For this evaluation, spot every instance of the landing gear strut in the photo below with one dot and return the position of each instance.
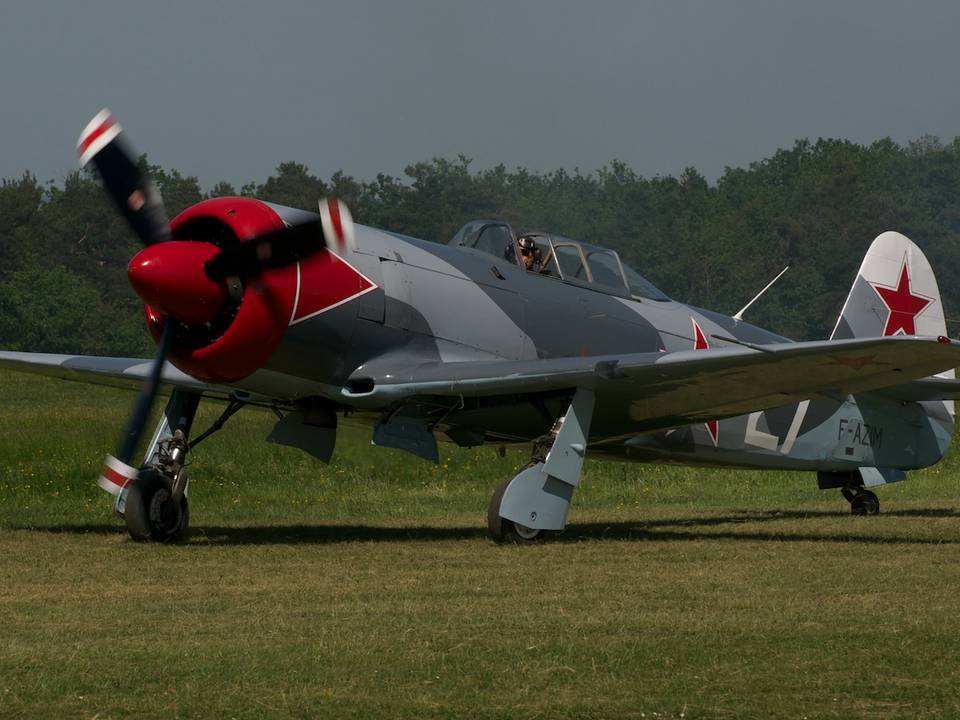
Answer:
(535, 501)
(862, 501)
(154, 505)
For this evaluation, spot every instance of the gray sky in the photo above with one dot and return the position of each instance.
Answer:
(228, 90)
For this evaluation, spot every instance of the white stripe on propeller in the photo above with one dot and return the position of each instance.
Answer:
(337, 224)
(98, 133)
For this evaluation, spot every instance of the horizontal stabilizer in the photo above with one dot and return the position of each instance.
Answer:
(933, 388)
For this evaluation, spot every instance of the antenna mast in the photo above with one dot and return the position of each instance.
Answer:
(739, 315)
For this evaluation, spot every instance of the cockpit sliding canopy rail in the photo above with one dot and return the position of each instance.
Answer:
(571, 261)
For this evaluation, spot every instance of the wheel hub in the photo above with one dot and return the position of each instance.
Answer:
(164, 514)
(526, 533)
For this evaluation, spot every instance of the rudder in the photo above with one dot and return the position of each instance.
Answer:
(895, 293)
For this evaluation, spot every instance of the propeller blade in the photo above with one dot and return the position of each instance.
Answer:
(133, 192)
(333, 231)
(337, 225)
(273, 250)
(117, 471)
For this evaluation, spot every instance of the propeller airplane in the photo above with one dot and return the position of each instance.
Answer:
(496, 338)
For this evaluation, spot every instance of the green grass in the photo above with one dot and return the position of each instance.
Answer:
(368, 589)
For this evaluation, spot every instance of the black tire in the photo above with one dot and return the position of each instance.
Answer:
(865, 503)
(506, 531)
(150, 515)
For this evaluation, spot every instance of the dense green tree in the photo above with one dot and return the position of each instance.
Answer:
(178, 192)
(815, 206)
(293, 185)
(78, 227)
(48, 308)
(20, 200)
(221, 189)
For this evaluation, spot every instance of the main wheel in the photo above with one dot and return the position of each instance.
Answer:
(502, 530)
(150, 513)
(865, 503)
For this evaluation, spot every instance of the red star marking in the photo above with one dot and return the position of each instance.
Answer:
(700, 343)
(699, 339)
(902, 304)
(854, 362)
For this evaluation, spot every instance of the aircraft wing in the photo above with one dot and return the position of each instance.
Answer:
(128, 373)
(666, 389)
(264, 387)
(662, 389)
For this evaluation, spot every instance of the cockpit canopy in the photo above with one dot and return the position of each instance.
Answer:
(571, 261)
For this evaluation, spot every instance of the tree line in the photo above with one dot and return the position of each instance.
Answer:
(815, 207)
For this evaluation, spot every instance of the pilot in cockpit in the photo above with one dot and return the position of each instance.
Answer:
(529, 253)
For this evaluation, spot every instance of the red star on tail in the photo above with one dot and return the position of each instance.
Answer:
(902, 304)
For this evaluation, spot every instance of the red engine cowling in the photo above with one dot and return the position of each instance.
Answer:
(219, 336)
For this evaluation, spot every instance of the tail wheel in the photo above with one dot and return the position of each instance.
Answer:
(862, 501)
(502, 530)
(865, 503)
(150, 513)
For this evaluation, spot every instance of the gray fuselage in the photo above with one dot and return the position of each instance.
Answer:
(453, 304)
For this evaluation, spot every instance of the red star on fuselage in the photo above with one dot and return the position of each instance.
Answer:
(902, 304)
(700, 343)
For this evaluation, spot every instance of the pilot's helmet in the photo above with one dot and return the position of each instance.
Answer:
(527, 245)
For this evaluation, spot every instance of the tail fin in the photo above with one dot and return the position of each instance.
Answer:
(895, 293)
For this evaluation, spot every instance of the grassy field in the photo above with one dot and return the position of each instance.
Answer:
(368, 588)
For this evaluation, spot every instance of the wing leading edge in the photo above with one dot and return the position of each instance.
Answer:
(128, 373)
(666, 388)
(264, 387)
